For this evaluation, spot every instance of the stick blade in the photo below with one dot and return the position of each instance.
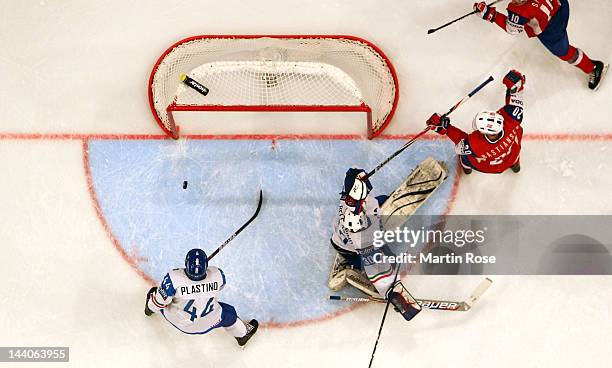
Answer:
(477, 293)
(430, 31)
(259, 202)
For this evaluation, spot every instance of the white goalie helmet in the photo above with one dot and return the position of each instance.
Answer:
(488, 122)
(353, 222)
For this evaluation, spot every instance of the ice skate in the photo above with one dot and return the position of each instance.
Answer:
(597, 75)
(251, 329)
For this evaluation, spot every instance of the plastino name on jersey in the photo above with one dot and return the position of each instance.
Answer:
(199, 288)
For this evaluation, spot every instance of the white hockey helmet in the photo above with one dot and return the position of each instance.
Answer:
(488, 122)
(354, 222)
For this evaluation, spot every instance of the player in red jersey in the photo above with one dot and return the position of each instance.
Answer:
(547, 20)
(495, 145)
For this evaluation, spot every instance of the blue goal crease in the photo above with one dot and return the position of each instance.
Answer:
(277, 268)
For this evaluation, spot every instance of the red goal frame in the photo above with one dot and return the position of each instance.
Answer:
(173, 107)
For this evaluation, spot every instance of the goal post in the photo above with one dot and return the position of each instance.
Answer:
(280, 74)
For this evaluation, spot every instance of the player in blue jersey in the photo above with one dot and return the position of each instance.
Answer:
(187, 299)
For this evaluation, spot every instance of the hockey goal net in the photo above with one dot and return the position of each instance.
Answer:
(304, 73)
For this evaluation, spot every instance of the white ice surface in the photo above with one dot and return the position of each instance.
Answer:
(82, 67)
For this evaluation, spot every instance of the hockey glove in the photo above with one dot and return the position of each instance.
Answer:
(150, 294)
(402, 306)
(514, 81)
(485, 11)
(438, 123)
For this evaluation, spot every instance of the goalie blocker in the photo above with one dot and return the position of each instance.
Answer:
(403, 302)
(400, 205)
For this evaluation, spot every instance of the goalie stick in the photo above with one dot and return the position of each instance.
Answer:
(384, 317)
(410, 142)
(432, 30)
(453, 306)
(195, 85)
(241, 228)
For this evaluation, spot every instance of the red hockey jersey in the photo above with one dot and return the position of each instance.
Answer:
(533, 17)
(478, 152)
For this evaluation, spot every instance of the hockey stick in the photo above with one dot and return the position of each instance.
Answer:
(410, 142)
(469, 95)
(430, 31)
(241, 228)
(382, 322)
(195, 85)
(396, 153)
(445, 305)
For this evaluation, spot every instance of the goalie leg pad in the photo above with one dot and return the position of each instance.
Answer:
(359, 280)
(337, 276)
(413, 192)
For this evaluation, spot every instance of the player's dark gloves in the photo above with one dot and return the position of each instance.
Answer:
(485, 11)
(150, 295)
(402, 306)
(514, 81)
(438, 123)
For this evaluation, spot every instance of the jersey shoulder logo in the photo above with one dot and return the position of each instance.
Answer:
(167, 287)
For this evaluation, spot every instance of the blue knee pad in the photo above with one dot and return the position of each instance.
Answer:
(228, 315)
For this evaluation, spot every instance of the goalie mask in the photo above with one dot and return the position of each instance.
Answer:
(354, 222)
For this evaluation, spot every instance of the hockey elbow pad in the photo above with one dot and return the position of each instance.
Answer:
(463, 148)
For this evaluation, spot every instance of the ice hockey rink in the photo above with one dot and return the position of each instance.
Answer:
(92, 210)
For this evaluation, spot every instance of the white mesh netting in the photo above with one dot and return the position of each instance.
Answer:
(275, 71)
(270, 83)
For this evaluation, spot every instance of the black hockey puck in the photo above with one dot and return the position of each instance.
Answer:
(185, 184)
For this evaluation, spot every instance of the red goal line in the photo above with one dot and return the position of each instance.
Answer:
(120, 136)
